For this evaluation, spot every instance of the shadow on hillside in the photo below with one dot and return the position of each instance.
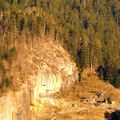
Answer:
(111, 75)
(113, 116)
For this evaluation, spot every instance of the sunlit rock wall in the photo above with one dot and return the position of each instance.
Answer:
(56, 70)
(15, 105)
(47, 68)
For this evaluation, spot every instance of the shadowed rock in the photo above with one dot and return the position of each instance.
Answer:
(113, 116)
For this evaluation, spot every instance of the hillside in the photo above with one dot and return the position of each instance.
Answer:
(80, 102)
(45, 68)
(59, 59)
(88, 29)
(47, 86)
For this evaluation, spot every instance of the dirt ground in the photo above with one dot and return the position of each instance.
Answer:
(66, 109)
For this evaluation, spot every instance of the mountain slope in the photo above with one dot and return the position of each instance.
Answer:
(80, 102)
(45, 68)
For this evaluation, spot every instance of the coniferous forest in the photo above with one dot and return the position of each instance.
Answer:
(88, 29)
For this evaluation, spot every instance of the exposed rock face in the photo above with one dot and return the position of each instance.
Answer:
(48, 69)
(15, 105)
(56, 71)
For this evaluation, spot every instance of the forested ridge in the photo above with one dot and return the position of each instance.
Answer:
(88, 29)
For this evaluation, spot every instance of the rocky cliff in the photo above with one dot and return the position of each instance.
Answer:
(15, 105)
(47, 68)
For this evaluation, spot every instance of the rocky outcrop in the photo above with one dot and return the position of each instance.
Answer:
(56, 70)
(46, 69)
(15, 105)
